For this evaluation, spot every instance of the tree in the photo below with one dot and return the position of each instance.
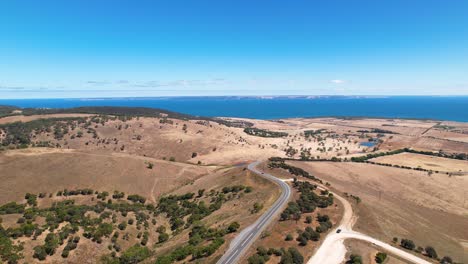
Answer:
(302, 239)
(201, 192)
(380, 257)
(446, 260)
(408, 244)
(163, 237)
(430, 252)
(296, 256)
(122, 225)
(309, 219)
(135, 254)
(292, 256)
(289, 237)
(39, 253)
(233, 227)
(256, 259)
(354, 259)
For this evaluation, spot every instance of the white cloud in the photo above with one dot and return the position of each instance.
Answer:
(337, 81)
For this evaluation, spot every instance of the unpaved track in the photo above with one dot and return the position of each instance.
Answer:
(333, 250)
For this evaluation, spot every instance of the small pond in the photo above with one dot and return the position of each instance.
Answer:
(368, 144)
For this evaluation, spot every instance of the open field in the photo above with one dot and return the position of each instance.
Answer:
(55, 169)
(157, 156)
(430, 210)
(426, 162)
(424, 143)
(49, 170)
(368, 251)
(193, 141)
(449, 135)
(21, 118)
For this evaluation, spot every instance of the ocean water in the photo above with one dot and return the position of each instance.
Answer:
(453, 108)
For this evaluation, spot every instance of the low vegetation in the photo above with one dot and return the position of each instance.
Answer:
(107, 218)
(280, 163)
(264, 133)
(307, 203)
(288, 256)
(354, 259)
(428, 251)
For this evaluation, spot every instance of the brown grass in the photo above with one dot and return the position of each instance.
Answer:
(50, 170)
(368, 251)
(22, 118)
(430, 210)
(426, 162)
(43, 171)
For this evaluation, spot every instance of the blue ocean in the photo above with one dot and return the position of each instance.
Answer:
(454, 108)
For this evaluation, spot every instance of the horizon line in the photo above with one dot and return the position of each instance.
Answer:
(266, 96)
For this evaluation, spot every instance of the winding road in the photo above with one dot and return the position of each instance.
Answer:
(243, 241)
(331, 251)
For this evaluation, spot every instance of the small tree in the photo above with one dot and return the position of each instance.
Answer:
(163, 237)
(446, 260)
(380, 257)
(149, 165)
(430, 252)
(408, 244)
(233, 227)
(354, 259)
(302, 239)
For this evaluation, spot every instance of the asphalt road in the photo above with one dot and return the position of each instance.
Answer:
(243, 241)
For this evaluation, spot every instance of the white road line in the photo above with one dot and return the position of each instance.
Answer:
(241, 245)
(247, 239)
(233, 255)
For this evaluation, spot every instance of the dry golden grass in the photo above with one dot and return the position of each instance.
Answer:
(444, 134)
(430, 210)
(212, 143)
(21, 118)
(424, 143)
(50, 170)
(426, 162)
(368, 251)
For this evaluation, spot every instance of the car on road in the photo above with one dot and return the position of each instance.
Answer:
(338, 231)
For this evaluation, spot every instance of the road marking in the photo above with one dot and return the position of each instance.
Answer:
(263, 220)
(247, 239)
(233, 255)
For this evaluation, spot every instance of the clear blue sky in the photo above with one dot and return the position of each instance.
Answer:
(262, 47)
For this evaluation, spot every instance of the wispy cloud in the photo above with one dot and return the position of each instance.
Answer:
(11, 88)
(97, 82)
(179, 83)
(157, 84)
(337, 81)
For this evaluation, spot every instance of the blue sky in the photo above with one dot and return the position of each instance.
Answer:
(264, 47)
